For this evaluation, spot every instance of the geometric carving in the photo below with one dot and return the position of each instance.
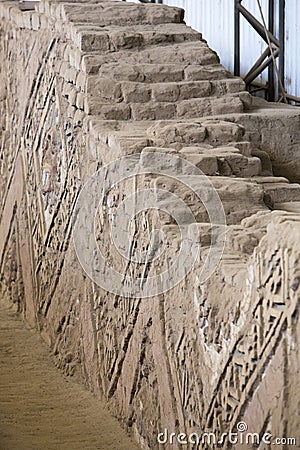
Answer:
(270, 313)
(11, 281)
(184, 359)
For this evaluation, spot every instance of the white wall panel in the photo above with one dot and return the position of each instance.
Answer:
(292, 52)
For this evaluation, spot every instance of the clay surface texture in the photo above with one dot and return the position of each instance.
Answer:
(150, 222)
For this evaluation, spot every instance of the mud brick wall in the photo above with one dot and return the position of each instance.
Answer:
(83, 83)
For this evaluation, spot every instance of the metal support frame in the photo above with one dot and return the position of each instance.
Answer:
(266, 59)
(276, 52)
(281, 38)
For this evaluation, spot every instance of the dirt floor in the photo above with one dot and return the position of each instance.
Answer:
(39, 408)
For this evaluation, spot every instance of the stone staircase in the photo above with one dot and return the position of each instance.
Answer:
(140, 63)
(137, 78)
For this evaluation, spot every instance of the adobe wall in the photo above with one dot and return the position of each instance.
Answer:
(83, 83)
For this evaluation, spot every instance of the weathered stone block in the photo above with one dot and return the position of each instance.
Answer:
(119, 14)
(194, 89)
(282, 192)
(81, 80)
(200, 72)
(226, 105)
(153, 111)
(220, 131)
(80, 100)
(186, 53)
(70, 93)
(187, 133)
(92, 41)
(120, 39)
(165, 92)
(237, 164)
(197, 53)
(193, 108)
(70, 74)
(74, 56)
(136, 92)
(118, 111)
(148, 73)
(208, 164)
(160, 15)
(104, 89)
(122, 72)
(162, 73)
(169, 34)
(228, 86)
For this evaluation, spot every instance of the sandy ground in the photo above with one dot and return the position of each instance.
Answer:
(40, 409)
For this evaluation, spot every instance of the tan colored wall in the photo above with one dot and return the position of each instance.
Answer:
(83, 84)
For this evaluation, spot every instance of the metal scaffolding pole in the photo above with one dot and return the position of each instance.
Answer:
(275, 46)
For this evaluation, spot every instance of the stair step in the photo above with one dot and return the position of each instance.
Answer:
(240, 199)
(110, 90)
(229, 162)
(193, 56)
(283, 192)
(121, 14)
(143, 73)
(113, 38)
(186, 109)
(293, 207)
(213, 132)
